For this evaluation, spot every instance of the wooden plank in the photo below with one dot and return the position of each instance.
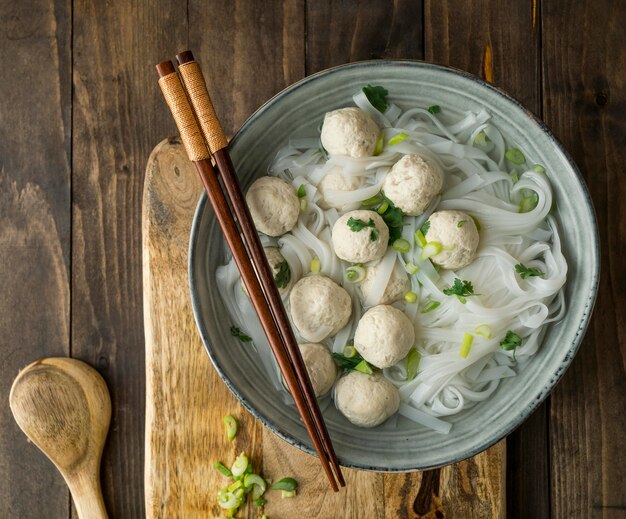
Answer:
(500, 42)
(118, 118)
(340, 32)
(35, 107)
(585, 104)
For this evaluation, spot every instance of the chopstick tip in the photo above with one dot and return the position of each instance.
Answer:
(164, 68)
(184, 57)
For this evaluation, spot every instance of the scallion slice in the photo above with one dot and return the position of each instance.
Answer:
(539, 168)
(382, 209)
(240, 465)
(480, 139)
(257, 483)
(316, 265)
(380, 144)
(411, 268)
(528, 203)
(355, 274)
(349, 351)
(231, 426)
(227, 500)
(303, 204)
(410, 297)
(466, 345)
(397, 138)
(420, 238)
(484, 330)
(285, 494)
(432, 248)
(364, 367)
(223, 469)
(515, 156)
(412, 363)
(286, 484)
(430, 306)
(401, 245)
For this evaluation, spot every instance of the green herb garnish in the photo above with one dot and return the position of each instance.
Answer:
(515, 156)
(283, 276)
(236, 332)
(353, 363)
(528, 203)
(286, 484)
(412, 363)
(425, 226)
(301, 191)
(430, 306)
(461, 223)
(460, 289)
(434, 109)
(526, 272)
(357, 224)
(223, 469)
(231, 426)
(377, 96)
(391, 215)
(397, 138)
(511, 341)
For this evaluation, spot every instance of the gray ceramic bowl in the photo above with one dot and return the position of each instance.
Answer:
(298, 111)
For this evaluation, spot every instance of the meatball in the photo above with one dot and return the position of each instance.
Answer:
(412, 184)
(350, 132)
(457, 234)
(384, 336)
(280, 270)
(320, 367)
(366, 400)
(398, 285)
(360, 236)
(274, 205)
(335, 180)
(319, 307)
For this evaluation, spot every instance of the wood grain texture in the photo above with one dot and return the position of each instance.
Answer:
(585, 104)
(118, 117)
(500, 42)
(35, 106)
(338, 32)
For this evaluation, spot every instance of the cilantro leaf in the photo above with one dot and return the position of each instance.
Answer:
(434, 109)
(374, 234)
(377, 96)
(425, 226)
(236, 332)
(526, 272)
(357, 224)
(301, 191)
(460, 289)
(283, 276)
(356, 363)
(511, 341)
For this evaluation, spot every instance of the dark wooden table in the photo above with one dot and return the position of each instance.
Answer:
(80, 111)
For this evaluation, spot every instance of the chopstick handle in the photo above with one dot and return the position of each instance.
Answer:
(176, 99)
(196, 88)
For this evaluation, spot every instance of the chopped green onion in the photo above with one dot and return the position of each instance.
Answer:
(515, 156)
(434, 109)
(286, 484)
(223, 469)
(432, 248)
(301, 191)
(285, 494)
(480, 139)
(430, 306)
(316, 265)
(539, 168)
(466, 345)
(240, 465)
(227, 500)
(529, 203)
(514, 177)
(380, 144)
(355, 274)
(303, 204)
(412, 363)
(236, 485)
(410, 297)
(420, 238)
(349, 351)
(461, 223)
(484, 330)
(401, 245)
(375, 200)
(397, 138)
(364, 367)
(411, 268)
(231, 426)
(257, 483)
(382, 209)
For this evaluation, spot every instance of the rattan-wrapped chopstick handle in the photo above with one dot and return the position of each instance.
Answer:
(199, 96)
(176, 99)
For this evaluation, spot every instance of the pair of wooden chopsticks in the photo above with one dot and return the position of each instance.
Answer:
(201, 132)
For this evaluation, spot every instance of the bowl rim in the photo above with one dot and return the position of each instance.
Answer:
(569, 355)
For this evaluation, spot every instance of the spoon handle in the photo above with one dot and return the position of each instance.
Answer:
(87, 495)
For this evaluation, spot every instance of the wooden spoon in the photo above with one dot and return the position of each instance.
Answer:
(63, 406)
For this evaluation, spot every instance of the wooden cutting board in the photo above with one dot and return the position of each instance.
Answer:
(186, 400)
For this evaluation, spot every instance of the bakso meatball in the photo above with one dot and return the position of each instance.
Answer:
(412, 184)
(350, 132)
(320, 367)
(397, 286)
(335, 180)
(280, 270)
(360, 236)
(274, 205)
(457, 234)
(384, 336)
(366, 400)
(319, 307)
